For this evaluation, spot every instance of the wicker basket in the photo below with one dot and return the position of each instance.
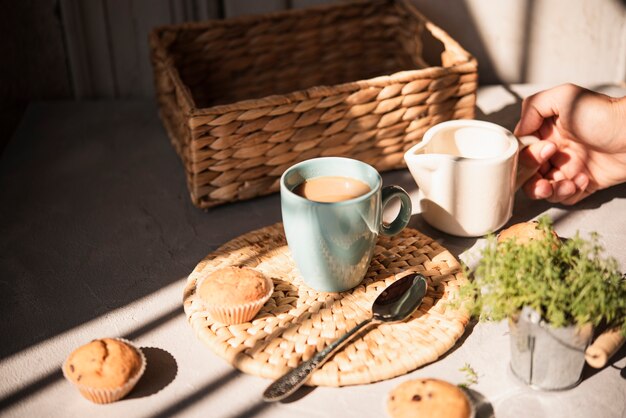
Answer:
(243, 99)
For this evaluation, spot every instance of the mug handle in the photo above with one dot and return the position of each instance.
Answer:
(402, 220)
(525, 173)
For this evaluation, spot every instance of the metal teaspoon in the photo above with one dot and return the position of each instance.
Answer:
(396, 303)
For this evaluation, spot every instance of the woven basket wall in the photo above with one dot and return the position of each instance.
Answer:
(243, 99)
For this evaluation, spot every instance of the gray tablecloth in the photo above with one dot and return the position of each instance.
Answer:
(97, 236)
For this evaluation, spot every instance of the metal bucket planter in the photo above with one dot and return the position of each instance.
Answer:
(545, 357)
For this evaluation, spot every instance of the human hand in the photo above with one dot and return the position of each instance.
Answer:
(582, 147)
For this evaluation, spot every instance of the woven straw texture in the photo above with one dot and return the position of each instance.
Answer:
(243, 99)
(297, 321)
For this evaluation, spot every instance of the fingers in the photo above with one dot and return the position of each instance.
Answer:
(569, 192)
(538, 154)
(565, 191)
(560, 174)
(535, 158)
(568, 163)
(538, 188)
(557, 188)
(562, 190)
(581, 181)
(532, 159)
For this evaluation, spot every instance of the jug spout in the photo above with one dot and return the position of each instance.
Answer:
(424, 168)
(429, 162)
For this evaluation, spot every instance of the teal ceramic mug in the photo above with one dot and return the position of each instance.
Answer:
(332, 243)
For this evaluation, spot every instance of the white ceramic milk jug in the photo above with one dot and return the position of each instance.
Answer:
(466, 173)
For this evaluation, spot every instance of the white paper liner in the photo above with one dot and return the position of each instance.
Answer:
(108, 395)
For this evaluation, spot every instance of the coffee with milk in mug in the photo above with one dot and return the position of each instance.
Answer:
(331, 189)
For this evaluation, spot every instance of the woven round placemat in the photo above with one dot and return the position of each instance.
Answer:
(298, 321)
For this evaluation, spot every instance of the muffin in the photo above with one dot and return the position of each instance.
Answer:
(523, 233)
(105, 370)
(233, 295)
(428, 398)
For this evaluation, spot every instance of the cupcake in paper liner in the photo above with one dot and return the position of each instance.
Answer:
(233, 295)
(105, 370)
(429, 398)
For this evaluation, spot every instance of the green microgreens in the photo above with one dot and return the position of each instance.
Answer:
(471, 377)
(568, 282)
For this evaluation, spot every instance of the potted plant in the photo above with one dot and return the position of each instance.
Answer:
(554, 292)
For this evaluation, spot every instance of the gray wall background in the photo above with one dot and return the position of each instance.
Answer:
(98, 49)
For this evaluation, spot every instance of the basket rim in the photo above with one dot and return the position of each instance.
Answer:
(325, 90)
(467, 64)
(274, 15)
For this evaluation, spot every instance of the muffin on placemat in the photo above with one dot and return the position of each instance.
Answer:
(105, 370)
(233, 295)
(428, 398)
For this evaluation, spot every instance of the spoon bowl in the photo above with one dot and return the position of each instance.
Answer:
(396, 303)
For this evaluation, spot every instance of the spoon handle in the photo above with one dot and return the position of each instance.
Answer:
(293, 379)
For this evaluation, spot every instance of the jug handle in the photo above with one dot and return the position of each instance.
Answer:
(604, 347)
(525, 173)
